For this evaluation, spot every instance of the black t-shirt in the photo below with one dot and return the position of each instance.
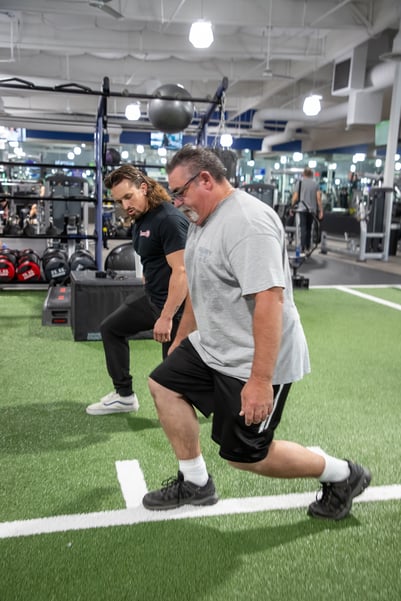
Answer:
(158, 233)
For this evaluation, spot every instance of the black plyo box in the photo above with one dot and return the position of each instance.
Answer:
(57, 307)
(93, 298)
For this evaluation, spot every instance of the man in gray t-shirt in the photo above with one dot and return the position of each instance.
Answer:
(239, 347)
(307, 199)
(254, 255)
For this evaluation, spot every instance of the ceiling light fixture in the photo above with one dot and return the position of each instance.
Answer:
(133, 111)
(201, 34)
(312, 106)
(226, 140)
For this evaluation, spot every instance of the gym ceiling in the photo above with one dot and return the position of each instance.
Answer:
(273, 52)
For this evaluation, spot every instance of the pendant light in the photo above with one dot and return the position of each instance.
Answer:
(201, 32)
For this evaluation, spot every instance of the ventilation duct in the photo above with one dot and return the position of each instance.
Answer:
(379, 77)
(295, 120)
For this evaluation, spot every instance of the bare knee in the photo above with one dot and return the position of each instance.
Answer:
(247, 467)
(161, 394)
(239, 466)
(154, 388)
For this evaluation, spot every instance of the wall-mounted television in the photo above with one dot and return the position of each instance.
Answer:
(158, 139)
(349, 72)
(341, 75)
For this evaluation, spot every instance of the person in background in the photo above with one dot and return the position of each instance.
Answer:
(159, 235)
(239, 347)
(308, 200)
(4, 209)
(4, 206)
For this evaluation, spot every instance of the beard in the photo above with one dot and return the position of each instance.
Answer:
(189, 213)
(135, 215)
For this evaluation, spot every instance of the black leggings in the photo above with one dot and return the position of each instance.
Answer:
(133, 316)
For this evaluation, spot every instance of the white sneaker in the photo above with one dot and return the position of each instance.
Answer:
(114, 403)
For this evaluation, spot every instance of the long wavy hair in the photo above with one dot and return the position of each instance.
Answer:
(156, 194)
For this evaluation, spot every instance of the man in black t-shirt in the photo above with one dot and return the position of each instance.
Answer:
(159, 236)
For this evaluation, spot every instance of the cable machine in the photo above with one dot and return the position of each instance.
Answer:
(373, 228)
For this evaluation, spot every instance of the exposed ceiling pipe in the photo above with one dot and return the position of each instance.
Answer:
(297, 121)
(11, 19)
(167, 23)
(379, 77)
(290, 133)
(330, 114)
(329, 12)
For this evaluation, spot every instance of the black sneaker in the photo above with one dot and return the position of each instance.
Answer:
(336, 497)
(177, 491)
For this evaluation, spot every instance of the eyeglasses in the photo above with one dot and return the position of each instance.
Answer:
(178, 193)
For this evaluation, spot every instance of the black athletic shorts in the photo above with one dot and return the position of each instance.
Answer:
(212, 392)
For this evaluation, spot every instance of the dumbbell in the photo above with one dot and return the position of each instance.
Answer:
(30, 229)
(55, 264)
(51, 229)
(8, 262)
(12, 227)
(81, 260)
(28, 266)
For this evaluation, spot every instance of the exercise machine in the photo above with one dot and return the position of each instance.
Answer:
(371, 226)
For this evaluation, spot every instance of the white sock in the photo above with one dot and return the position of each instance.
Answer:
(336, 470)
(194, 470)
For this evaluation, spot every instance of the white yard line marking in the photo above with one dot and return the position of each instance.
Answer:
(137, 515)
(132, 482)
(369, 297)
(335, 286)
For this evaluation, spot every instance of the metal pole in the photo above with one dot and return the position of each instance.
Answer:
(101, 125)
(392, 141)
(202, 134)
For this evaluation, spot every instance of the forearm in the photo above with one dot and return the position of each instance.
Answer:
(187, 321)
(319, 203)
(177, 291)
(267, 328)
(257, 394)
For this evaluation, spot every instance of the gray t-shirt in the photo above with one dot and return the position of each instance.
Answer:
(309, 190)
(239, 251)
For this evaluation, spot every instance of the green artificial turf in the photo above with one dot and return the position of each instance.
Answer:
(57, 460)
(278, 555)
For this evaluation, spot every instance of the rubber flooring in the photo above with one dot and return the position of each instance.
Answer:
(334, 270)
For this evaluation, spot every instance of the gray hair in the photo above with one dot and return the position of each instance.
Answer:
(198, 158)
